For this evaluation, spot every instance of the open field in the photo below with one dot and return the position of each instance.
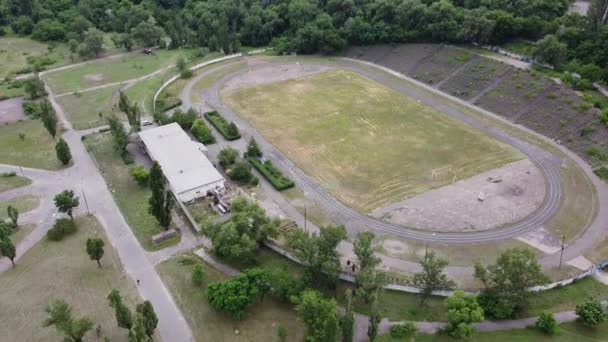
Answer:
(208, 80)
(82, 109)
(259, 324)
(22, 203)
(130, 197)
(36, 150)
(12, 182)
(15, 51)
(337, 125)
(47, 272)
(441, 64)
(474, 78)
(113, 70)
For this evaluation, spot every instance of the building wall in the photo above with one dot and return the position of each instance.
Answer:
(201, 191)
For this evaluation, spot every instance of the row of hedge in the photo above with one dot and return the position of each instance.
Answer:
(278, 180)
(228, 130)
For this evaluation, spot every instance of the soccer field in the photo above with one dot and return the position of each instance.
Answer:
(367, 144)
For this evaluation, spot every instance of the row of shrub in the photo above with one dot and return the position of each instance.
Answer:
(168, 103)
(228, 130)
(278, 180)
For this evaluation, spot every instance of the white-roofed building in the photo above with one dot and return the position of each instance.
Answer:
(185, 165)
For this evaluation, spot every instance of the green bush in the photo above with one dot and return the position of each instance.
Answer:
(228, 130)
(202, 132)
(403, 330)
(169, 103)
(591, 312)
(241, 172)
(198, 275)
(601, 172)
(61, 228)
(272, 174)
(546, 323)
(141, 175)
(184, 119)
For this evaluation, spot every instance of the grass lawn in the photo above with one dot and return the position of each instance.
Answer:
(37, 150)
(11, 182)
(567, 332)
(83, 109)
(113, 70)
(14, 53)
(337, 126)
(48, 271)
(130, 197)
(22, 203)
(259, 324)
(23, 231)
(143, 92)
(6, 91)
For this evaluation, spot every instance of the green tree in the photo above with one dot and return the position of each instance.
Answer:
(232, 130)
(227, 157)
(131, 110)
(138, 332)
(506, 282)
(92, 44)
(374, 319)
(241, 172)
(148, 34)
(119, 134)
(462, 311)
(124, 317)
(546, 323)
(63, 151)
(318, 252)
(150, 321)
(34, 87)
(60, 315)
(368, 281)
(550, 50)
(66, 201)
(95, 249)
(347, 323)
(320, 316)
(432, 278)
(8, 249)
(202, 132)
(236, 294)
(161, 201)
(198, 275)
(253, 150)
(13, 214)
(591, 312)
(48, 117)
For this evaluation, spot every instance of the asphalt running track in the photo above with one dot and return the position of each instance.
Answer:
(547, 163)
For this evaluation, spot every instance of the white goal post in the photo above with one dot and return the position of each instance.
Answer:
(445, 173)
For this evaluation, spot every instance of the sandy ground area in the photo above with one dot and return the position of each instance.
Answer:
(485, 201)
(11, 110)
(267, 72)
(543, 240)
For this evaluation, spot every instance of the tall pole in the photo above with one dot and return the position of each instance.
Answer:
(561, 255)
(305, 218)
(21, 169)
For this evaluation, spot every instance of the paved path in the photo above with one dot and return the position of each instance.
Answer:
(83, 175)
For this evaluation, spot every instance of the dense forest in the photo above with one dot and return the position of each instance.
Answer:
(567, 41)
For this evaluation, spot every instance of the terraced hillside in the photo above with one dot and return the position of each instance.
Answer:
(474, 78)
(525, 97)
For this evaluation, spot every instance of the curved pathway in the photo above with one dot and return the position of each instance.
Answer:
(356, 221)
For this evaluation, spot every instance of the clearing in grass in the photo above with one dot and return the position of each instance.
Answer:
(83, 109)
(47, 272)
(367, 144)
(260, 322)
(36, 149)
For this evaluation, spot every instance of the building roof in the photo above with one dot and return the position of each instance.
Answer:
(181, 158)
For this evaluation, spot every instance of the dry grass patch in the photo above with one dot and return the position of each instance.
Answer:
(366, 143)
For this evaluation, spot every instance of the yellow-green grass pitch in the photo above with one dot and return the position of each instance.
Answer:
(83, 109)
(367, 144)
(63, 270)
(36, 150)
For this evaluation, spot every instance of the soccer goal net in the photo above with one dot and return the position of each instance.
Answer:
(444, 174)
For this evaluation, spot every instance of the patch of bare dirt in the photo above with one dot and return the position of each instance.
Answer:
(485, 201)
(11, 110)
(94, 77)
(265, 72)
